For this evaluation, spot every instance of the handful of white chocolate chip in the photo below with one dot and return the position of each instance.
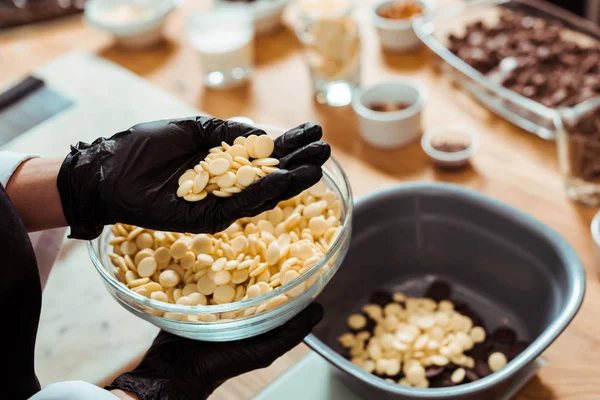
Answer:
(229, 169)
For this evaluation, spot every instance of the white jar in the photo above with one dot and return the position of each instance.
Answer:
(391, 129)
(395, 35)
(223, 40)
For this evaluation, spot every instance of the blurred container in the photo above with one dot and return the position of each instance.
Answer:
(578, 142)
(396, 35)
(433, 29)
(265, 13)
(390, 129)
(134, 24)
(223, 39)
(509, 268)
(331, 41)
(444, 145)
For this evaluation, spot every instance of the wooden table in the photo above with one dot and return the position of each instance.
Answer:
(511, 165)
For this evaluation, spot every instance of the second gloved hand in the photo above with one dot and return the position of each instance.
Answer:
(176, 368)
(132, 176)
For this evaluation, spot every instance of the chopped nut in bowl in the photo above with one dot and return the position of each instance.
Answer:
(246, 280)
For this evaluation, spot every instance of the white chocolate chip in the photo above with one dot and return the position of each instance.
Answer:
(218, 167)
(226, 180)
(188, 175)
(147, 267)
(265, 162)
(224, 294)
(357, 321)
(185, 188)
(249, 145)
(497, 361)
(477, 334)
(238, 150)
(263, 146)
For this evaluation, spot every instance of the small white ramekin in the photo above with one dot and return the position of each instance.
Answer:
(393, 129)
(140, 33)
(396, 35)
(447, 159)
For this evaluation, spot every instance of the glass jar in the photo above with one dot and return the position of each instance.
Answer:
(331, 42)
(578, 141)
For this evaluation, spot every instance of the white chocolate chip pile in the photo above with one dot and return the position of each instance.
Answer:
(229, 169)
(412, 334)
(250, 258)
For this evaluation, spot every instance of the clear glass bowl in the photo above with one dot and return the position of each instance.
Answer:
(433, 29)
(226, 322)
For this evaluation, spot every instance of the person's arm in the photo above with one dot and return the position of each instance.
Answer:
(32, 189)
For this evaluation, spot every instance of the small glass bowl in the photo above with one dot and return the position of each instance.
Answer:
(453, 134)
(225, 322)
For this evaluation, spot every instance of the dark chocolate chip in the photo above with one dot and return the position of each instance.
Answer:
(482, 368)
(439, 291)
(478, 352)
(370, 326)
(529, 91)
(516, 349)
(465, 310)
(433, 371)
(381, 298)
(504, 335)
(470, 375)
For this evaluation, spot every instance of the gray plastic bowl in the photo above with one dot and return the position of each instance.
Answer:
(508, 267)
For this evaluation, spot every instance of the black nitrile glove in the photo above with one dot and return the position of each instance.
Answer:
(132, 176)
(183, 369)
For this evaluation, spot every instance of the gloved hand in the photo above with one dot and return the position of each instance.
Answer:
(182, 369)
(132, 176)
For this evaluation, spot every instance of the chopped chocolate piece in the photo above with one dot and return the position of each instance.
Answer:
(471, 375)
(482, 368)
(551, 69)
(381, 298)
(516, 349)
(439, 291)
(504, 335)
(433, 371)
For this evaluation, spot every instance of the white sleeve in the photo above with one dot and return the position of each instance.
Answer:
(73, 390)
(9, 162)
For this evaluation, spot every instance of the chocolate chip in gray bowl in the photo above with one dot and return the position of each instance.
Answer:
(427, 341)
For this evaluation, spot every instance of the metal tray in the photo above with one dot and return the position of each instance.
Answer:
(433, 30)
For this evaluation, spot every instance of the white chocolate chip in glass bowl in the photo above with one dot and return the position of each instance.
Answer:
(251, 258)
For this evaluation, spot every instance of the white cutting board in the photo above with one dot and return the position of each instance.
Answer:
(84, 334)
